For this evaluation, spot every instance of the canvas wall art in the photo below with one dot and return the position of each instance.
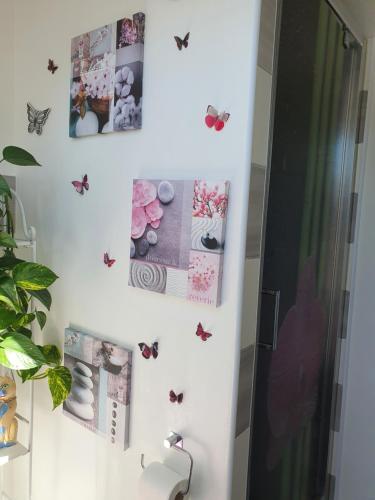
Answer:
(100, 395)
(106, 78)
(178, 238)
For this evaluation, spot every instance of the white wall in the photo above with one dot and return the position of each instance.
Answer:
(356, 473)
(7, 71)
(73, 232)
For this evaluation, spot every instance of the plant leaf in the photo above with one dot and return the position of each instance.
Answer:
(23, 299)
(19, 156)
(7, 241)
(43, 296)
(25, 331)
(8, 293)
(51, 354)
(24, 319)
(41, 318)
(32, 276)
(28, 374)
(7, 317)
(20, 353)
(4, 187)
(60, 384)
(8, 261)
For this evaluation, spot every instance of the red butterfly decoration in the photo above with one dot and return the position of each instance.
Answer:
(148, 352)
(202, 334)
(107, 261)
(216, 119)
(80, 186)
(175, 398)
(51, 66)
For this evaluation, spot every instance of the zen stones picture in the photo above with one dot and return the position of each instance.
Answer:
(100, 395)
(178, 238)
(107, 78)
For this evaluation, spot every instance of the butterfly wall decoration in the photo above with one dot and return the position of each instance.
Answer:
(216, 120)
(107, 261)
(52, 66)
(37, 119)
(182, 42)
(176, 398)
(81, 186)
(202, 333)
(149, 351)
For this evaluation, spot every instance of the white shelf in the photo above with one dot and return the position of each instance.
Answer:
(12, 452)
(24, 243)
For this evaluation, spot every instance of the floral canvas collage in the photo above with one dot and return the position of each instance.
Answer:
(106, 78)
(178, 238)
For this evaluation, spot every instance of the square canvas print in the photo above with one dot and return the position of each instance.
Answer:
(107, 77)
(100, 395)
(178, 238)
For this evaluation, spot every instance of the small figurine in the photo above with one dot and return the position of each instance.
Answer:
(8, 405)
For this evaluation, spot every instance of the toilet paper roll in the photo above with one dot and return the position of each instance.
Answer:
(159, 482)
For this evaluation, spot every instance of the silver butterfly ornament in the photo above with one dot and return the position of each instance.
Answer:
(37, 119)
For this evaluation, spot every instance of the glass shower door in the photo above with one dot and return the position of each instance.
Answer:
(305, 252)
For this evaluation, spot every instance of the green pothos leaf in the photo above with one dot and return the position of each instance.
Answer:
(41, 318)
(18, 352)
(60, 384)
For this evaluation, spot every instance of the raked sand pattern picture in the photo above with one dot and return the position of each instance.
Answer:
(178, 238)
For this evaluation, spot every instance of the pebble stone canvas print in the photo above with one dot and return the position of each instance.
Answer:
(100, 395)
(106, 78)
(178, 238)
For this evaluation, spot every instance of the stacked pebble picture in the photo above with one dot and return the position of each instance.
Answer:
(178, 238)
(100, 395)
(81, 398)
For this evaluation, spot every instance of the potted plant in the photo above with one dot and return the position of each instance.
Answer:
(21, 281)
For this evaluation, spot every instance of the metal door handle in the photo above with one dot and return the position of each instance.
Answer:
(269, 319)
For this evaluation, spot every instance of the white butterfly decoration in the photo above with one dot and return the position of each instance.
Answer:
(37, 119)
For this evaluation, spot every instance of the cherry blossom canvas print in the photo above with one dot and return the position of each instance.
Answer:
(178, 238)
(106, 78)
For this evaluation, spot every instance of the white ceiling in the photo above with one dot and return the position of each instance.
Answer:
(359, 13)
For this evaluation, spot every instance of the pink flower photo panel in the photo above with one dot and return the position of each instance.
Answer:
(178, 238)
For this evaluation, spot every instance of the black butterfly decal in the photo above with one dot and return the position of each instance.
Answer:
(37, 119)
(51, 66)
(175, 398)
(182, 42)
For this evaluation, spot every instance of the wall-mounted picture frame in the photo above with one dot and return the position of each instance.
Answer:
(107, 78)
(101, 389)
(178, 238)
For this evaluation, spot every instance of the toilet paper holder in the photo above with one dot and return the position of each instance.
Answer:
(176, 442)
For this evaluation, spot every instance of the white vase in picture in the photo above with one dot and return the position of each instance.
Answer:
(89, 125)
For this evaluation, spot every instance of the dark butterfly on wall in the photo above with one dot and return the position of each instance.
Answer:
(107, 261)
(51, 66)
(81, 186)
(216, 119)
(182, 42)
(37, 119)
(202, 334)
(175, 398)
(149, 351)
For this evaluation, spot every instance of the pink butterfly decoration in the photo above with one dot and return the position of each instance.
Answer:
(107, 261)
(81, 186)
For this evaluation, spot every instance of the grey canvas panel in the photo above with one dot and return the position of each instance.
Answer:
(267, 35)
(245, 389)
(256, 207)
